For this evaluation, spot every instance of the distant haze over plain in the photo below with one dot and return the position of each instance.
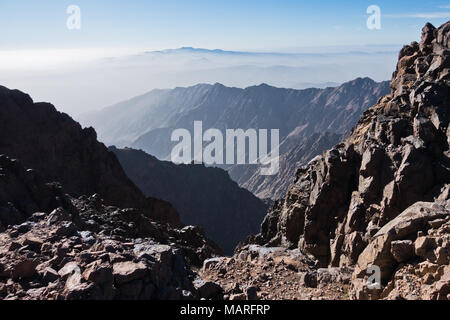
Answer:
(83, 80)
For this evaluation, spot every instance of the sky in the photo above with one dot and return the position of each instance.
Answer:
(226, 24)
(103, 62)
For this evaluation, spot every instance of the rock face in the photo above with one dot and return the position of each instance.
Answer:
(387, 182)
(310, 121)
(81, 248)
(204, 197)
(55, 145)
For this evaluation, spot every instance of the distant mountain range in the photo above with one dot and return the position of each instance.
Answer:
(353, 51)
(310, 121)
(100, 78)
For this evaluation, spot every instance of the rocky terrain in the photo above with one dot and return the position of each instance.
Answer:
(81, 248)
(277, 273)
(203, 196)
(382, 197)
(146, 122)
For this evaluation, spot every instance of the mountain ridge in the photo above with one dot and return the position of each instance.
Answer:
(61, 150)
(150, 119)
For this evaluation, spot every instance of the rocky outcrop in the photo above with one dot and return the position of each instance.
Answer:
(367, 200)
(55, 145)
(54, 246)
(310, 121)
(203, 196)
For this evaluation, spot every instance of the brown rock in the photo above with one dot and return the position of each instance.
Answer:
(98, 272)
(25, 268)
(402, 250)
(423, 245)
(309, 279)
(128, 271)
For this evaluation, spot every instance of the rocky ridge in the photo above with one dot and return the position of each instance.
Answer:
(382, 196)
(146, 122)
(61, 150)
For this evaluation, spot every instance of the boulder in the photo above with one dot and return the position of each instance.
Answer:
(309, 279)
(98, 272)
(128, 271)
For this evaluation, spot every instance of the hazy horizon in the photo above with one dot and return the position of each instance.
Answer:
(104, 80)
(126, 48)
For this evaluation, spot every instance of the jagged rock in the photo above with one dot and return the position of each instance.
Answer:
(80, 291)
(123, 241)
(65, 229)
(422, 246)
(402, 250)
(58, 215)
(73, 282)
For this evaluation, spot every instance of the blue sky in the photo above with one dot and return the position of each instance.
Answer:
(226, 24)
